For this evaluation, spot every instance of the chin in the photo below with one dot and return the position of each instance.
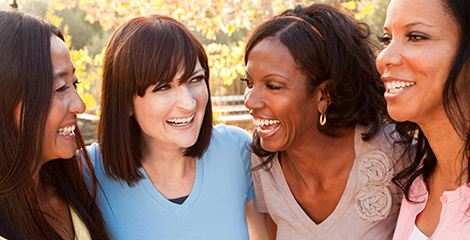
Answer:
(269, 147)
(397, 115)
(69, 154)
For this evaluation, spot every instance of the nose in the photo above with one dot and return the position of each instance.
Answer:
(77, 105)
(390, 56)
(253, 98)
(185, 98)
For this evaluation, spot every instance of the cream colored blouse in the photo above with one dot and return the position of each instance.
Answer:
(81, 232)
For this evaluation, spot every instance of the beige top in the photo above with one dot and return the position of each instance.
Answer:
(81, 232)
(368, 208)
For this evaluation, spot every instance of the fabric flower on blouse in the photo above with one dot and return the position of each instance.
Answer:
(374, 201)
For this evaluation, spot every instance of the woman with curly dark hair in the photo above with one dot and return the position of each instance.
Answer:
(323, 157)
(42, 192)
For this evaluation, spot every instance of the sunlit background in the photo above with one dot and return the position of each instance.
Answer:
(221, 25)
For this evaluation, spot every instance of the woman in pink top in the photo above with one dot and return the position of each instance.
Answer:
(425, 69)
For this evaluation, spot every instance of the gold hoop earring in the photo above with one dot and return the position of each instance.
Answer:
(322, 119)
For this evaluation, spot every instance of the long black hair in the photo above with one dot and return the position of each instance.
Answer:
(26, 80)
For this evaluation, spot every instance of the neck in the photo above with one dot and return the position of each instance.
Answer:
(166, 162)
(448, 148)
(323, 156)
(169, 170)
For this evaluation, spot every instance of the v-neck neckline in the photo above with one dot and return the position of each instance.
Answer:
(340, 208)
(166, 203)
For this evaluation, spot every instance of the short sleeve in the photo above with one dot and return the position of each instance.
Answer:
(260, 203)
(95, 157)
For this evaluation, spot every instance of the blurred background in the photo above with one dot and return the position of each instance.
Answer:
(221, 25)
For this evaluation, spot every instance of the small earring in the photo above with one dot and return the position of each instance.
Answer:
(322, 119)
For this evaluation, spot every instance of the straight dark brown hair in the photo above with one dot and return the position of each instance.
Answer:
(144, 51)
(26, 89)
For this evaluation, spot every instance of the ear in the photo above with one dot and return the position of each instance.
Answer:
(324, 99)
(131, 105)
(131, 110)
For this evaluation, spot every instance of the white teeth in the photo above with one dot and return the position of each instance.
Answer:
(264, 122)
(180, 121)
(265, 131)
(68, 131)
(397, 86)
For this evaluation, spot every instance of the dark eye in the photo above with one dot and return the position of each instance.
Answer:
(248, 82)
(415, 37)
(385, 40)
(62, 89)
(198, 79)
(161, 88)
(270, 86)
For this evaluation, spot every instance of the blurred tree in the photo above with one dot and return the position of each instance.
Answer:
(83, 32)
(14, 5)
(87, 68)
(221, 25)
(216, 21)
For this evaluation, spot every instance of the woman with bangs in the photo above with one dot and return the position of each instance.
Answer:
(165, 171)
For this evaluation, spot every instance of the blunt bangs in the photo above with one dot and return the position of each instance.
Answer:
(161, 47)
(143, 52)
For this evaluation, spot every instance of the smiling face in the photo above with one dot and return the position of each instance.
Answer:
(170, 116)
(59, 136)
(421, 40)
(284, 113)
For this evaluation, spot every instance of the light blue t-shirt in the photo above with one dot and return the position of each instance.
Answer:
(215, 209)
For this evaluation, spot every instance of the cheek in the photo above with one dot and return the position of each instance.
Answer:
(201, 95)
(379, 66)
(57, 111)
(147, 110)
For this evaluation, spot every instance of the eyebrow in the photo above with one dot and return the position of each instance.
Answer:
(411, 24)
(270, 75)
(62, 74)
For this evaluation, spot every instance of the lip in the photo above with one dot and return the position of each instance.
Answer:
(188, 125)
(388, 79)
(267, 132)
(68, 125)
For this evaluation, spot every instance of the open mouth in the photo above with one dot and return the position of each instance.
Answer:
(180, 121)
(265, 125)
(67, 131)
(397, 86)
